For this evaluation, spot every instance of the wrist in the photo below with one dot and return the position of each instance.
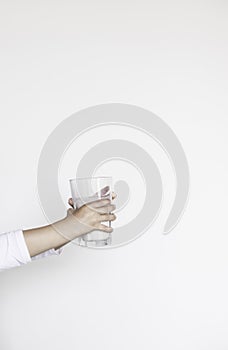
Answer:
(61, 229)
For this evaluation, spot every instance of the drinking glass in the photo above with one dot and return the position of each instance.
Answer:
(89, 189)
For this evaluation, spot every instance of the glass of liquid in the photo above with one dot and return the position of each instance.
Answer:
(88, 189)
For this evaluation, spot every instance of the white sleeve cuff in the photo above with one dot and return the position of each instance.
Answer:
(47, 253)
(25, 256)
(14, 251)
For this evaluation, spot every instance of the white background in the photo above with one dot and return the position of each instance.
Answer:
(159, 292)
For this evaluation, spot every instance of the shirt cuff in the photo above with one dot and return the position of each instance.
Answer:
(20, 246)
(48, 253)
(25, 252)
(14, 251)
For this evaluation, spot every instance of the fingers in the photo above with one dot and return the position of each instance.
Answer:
(105, 191)
(106, 209)
(104, 217)
(104, 228)
(102, 202)
(99, 203)
(107, 217)
(95, 204)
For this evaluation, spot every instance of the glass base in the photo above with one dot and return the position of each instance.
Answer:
(85, 242)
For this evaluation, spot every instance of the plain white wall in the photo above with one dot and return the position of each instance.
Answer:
(159, 292)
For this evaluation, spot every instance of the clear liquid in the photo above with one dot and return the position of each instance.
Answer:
(95, 238)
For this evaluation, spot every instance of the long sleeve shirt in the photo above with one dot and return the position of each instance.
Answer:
(14, 251)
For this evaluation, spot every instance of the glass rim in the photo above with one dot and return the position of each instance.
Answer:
(90, 178)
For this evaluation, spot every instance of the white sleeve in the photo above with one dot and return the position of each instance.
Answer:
(14, 251)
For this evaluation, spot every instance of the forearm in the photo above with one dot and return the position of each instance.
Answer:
(41, 239)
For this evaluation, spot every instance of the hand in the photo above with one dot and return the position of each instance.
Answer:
(77, 223)
(88, 218)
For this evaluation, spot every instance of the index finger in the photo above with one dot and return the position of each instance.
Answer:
(99, 203)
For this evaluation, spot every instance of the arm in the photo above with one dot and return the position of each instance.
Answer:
(41, 239)
(20, 247)
(77, 223)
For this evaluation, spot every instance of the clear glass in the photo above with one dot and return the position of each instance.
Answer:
(89, 189)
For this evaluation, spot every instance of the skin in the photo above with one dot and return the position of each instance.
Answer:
(76, 223)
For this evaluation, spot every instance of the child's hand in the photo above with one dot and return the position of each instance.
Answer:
(88, 218)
